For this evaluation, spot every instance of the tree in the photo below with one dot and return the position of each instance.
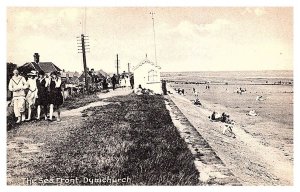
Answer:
(9, 73)
(10, 68)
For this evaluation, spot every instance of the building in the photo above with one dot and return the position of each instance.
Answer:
(36, 65)
(147, 74)
(92, 77)
(70, 77)
(102, 74)
(81, 78)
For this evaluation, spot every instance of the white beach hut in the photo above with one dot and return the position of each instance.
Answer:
(147, 74)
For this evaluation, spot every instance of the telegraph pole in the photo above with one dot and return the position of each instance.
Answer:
(128, 67)
(152, 13)
(83, 48)
(117, 65)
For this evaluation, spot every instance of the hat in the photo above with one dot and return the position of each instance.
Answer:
(32, 73)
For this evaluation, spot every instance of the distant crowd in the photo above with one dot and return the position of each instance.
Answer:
(122, 80)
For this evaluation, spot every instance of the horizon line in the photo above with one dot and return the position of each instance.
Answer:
(227, 70)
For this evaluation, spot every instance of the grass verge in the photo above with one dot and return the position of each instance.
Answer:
(132, 138)
(81, 100)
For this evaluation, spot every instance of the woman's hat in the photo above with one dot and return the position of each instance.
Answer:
(32, 73)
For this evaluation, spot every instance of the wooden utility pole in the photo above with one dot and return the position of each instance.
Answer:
(83, 48)
(128, 67)
(117, 65)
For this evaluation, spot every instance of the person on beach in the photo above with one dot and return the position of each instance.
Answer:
(139, 90)
(259, 98)
(114, 81)
(42, 95)
(17, 85)
(197, 102)
(195, 92)
(55, 95)
(32, 92)
(215, 116)
(252, 113)
(179, 91)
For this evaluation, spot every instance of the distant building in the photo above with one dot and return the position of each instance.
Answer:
(147, 74)
(102, 74)
(70, 77)
(81, 78)
(36, 65)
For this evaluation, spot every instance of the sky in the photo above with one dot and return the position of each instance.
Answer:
(187, 39)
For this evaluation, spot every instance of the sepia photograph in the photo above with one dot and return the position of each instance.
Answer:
(149, 96)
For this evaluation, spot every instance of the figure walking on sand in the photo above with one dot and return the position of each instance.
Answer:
(32, 92)
(42, 95)
(17, 85)
(55, 95)
(195, 92)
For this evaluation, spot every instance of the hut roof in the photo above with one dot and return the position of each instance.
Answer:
(145, 61)
(47, 67)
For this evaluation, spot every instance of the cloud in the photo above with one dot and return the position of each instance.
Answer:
(216, 26)
(256, 11)
(259, 11)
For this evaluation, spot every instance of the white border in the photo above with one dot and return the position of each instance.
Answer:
(153, 3)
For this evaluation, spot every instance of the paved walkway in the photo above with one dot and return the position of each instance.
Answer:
(111, 93)
(25, 142)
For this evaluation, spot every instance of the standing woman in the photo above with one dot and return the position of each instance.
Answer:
(32, 92)
(127, 81)
(42, 95)
(17, 85)
(55, 95)
(123, 81)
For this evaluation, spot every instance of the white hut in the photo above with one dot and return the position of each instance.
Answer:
(147, 74)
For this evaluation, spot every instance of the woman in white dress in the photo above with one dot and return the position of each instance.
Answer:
(127, 81)
(17, 85)
(123, 82)
(32, 92)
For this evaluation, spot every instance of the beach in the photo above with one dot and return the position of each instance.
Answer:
(262, 152)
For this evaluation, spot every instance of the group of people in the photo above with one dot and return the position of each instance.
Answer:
(224, 118)
(42, 92)
(241, 90)
(215, 116)
(180, 91)
(123, 81)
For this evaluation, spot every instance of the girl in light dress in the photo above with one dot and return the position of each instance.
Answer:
(32, 92)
